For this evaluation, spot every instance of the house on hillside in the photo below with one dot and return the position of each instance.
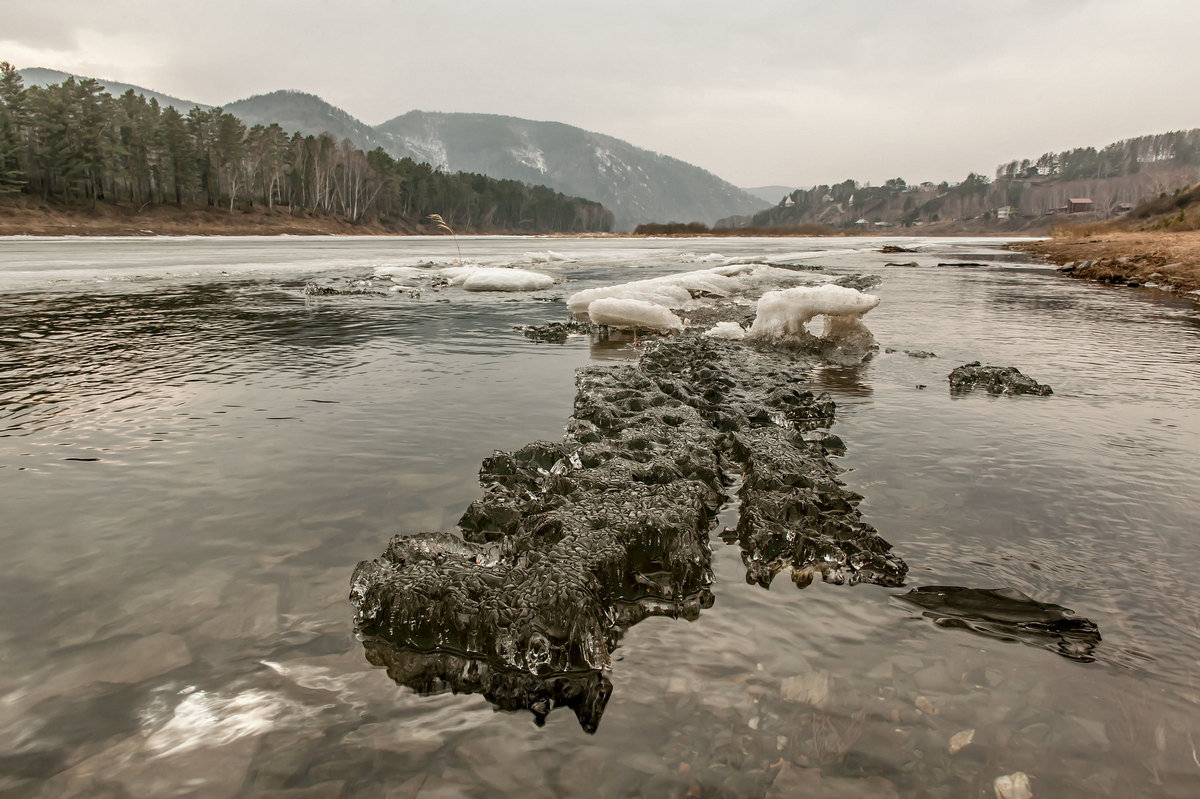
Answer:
(1079, 205)
(1122, 208)
(1004, 212)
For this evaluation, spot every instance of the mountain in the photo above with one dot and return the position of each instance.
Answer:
(636, 184)
(770, 194)
(306, 113)
(37, 76)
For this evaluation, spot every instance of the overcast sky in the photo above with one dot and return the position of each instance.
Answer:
(759, 92)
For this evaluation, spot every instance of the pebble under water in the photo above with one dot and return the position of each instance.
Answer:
(195, 452)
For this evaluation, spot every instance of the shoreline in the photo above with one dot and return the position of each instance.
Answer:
(1157, 260)
(26, 217)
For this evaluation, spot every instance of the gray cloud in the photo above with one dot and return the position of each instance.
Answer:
(764, 92)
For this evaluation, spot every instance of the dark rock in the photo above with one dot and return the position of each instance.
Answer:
(859, 282)
(905, 263)
(962, 264)
(313, 290)
(891, 248)
(995, 380)
(574, 541)
(919, 354)
(557, 332)
(1008, 615)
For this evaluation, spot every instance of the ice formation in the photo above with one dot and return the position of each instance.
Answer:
(726, 330)
(633, 315)
(676, 291)
(489, 279)
(784, 313)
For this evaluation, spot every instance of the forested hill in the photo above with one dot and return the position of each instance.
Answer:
(636, 184)
(1025, 194)
(73, 144)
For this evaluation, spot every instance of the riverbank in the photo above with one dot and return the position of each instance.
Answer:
(1152, 259)
(24, 217)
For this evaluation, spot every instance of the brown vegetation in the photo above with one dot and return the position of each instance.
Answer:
(23, 216)
(1156, 243)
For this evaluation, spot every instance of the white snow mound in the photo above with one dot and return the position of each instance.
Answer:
(726, 330)
(633, 314)
(784, 313)
(488, 279)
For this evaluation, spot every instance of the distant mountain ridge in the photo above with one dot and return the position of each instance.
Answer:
(37, 76)
(635, 184)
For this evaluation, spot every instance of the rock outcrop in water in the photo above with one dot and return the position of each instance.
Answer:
(574, 541)
(1008, 615)
(994, 380)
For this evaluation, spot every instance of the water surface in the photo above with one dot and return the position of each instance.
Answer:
(194, 454)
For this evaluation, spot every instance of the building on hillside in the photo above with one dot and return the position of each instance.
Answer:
(1122, 208)
(788, 202)
(1080, 205)
(1005, 212)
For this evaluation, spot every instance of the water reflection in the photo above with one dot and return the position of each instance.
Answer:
(586, 693)
(1006, 614)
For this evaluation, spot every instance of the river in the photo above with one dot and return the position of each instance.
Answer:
(194, 454)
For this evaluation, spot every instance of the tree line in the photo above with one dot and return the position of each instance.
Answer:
(74, 144)
(1125, 172)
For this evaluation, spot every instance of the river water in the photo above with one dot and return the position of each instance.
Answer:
(194, 454)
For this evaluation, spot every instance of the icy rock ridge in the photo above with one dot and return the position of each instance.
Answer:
(574, 541)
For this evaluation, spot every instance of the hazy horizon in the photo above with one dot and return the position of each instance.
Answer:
(782, 94)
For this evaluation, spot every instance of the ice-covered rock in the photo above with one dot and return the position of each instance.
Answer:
(726, 330)
(495, 279)
(784, 313)
(634, 315)
(845, 340)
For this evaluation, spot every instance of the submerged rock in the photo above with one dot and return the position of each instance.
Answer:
(1008, 615)
(995, 380)
(557, 332)
(313, 290)
(574, 541)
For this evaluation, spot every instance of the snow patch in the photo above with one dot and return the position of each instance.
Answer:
(530, 156)
(726, 330)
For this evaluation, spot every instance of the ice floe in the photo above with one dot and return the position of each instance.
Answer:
(784, 313)
(486, 279)
(678, 290)
(633, 314)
